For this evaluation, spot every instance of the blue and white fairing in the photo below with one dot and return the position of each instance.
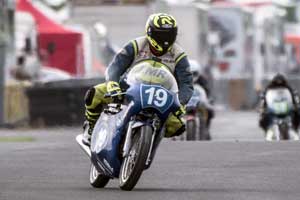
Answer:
(151, 86)
(199, 96)
(279, 101)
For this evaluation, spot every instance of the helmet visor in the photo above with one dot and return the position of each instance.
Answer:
(164, 38)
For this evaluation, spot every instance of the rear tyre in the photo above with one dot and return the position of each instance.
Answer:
(97, 180)
(134, 163)
(190, 130)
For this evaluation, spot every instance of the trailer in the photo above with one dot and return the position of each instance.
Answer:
(233, 27)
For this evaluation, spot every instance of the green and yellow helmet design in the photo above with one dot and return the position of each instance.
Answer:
(161, 31)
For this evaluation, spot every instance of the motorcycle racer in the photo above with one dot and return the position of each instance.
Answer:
(159, 45)
(279, 81)
(200, 79)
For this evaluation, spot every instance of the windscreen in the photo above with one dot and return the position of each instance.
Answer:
(152, 73)
(279, 100)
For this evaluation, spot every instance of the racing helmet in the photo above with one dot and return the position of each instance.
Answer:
(161, 30)
(279, 80)
(195, 68)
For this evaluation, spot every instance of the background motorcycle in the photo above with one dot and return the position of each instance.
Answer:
(127, 135)
(280, 108)
(197, 115)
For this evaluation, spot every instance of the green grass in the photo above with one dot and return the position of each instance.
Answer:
(17, 139)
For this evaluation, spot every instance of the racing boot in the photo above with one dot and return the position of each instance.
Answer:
(87, 132)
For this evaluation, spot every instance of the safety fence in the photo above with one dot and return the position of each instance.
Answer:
(58, 103)
(62, 102)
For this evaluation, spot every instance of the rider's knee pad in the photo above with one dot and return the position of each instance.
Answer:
(174, 126)
(88, 98)
(264, 122)
(179, 131)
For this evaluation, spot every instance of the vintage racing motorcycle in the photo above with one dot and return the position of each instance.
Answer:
(197, 115)
(127, 134)
(280, 106)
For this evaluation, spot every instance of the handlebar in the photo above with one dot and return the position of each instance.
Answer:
(113, 95)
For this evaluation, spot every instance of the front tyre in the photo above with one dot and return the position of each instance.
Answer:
(284, 131)
(97, 180)
(191, 130)
(134, 163)
(203, 130)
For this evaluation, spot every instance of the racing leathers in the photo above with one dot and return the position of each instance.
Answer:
(133, 52)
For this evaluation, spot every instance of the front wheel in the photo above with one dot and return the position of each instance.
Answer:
(202, 128)
(284, 131)
(191, 130)
(97, 180)
(134, 163)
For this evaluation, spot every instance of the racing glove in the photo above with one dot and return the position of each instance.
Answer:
(180, 112)
(113, 87)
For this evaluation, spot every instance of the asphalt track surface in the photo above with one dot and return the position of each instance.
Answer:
(238, 164)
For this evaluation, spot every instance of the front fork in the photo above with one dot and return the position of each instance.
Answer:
(154, 140)
(127, 143)
(274, 133)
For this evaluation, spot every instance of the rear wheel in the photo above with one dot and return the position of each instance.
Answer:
(134, 163)
(190, 130)
(97, 180)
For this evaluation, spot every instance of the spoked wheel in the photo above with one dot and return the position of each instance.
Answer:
(191, 130)
(97, 180)
(133, 165)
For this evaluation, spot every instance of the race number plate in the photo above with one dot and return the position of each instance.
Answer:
(156, 97)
